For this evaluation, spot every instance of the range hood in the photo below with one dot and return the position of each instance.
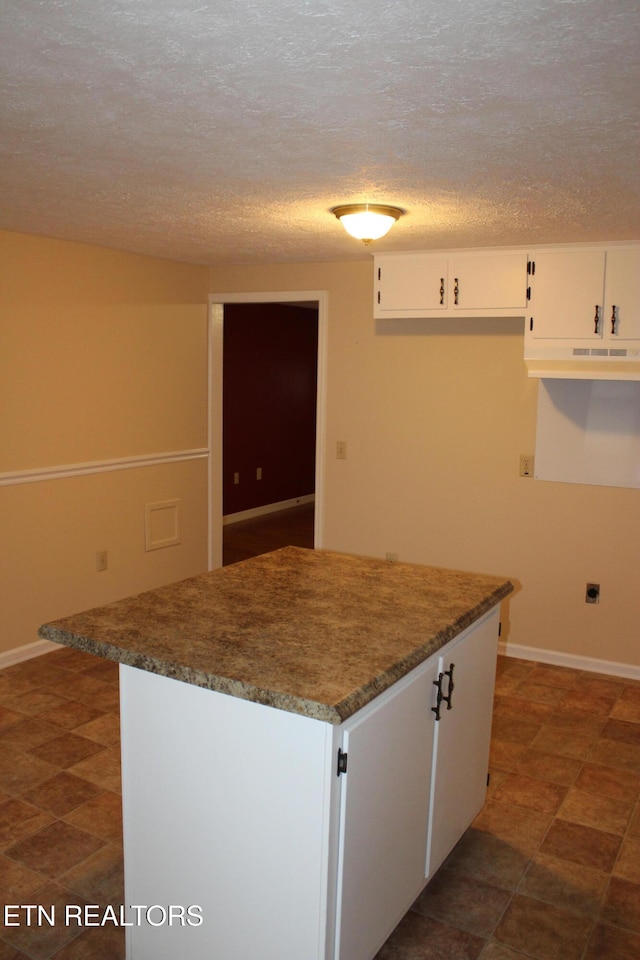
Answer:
(587, 365)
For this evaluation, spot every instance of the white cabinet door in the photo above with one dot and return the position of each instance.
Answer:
(567, 290)
(622, 291)
(384, 814)
(411, 282)
(487, 281)
(462, 737)
(450, 285)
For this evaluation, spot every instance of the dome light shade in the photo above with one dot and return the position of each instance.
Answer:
(367, 221)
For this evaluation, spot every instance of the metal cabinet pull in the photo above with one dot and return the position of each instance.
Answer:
(597, 319)
(614, 318)
(456, 291)
(441, 291)
(441, 697)
(447, 699)
(438, 683)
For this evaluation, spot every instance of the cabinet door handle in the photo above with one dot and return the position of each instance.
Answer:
(597, 319)
(438, 683)
(614, 318)
(441, 291)
(447, 699)
(456, 290)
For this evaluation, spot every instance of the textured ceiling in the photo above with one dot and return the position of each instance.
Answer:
(223, 131)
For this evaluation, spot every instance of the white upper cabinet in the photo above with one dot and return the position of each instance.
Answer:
(581, 304)
(567, 294)
(585, 295)
(622, 294)
(462, 284)
(584, 312)
(409, 283)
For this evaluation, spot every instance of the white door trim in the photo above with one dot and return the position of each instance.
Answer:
(216, 314)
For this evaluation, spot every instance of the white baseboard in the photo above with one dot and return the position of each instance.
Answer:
(267, 508)
(26, 652)
(590, 664)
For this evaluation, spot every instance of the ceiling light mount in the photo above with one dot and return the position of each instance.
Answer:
(367, 221)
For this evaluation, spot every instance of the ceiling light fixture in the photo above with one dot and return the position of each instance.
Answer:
(367, 221)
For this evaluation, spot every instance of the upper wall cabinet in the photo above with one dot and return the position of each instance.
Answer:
(463, 284)
(584, 311)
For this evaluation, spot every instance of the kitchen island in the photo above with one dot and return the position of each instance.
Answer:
(305, 737)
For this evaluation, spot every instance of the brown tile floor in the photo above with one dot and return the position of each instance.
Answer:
(60, 804)
(550, 868)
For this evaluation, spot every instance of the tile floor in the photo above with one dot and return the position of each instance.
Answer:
(550, 870)
(60, 805)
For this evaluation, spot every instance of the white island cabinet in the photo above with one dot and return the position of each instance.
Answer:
(305, 736)
(239, 808)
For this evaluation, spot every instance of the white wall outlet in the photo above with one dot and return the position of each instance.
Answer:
(236, 478)
(258, 473)
(391, 557)
(526, 464)
(102, 561)
(341, 449)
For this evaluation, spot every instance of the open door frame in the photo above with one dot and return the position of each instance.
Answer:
(216, 327)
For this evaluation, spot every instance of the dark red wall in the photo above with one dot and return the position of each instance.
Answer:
(269, 403)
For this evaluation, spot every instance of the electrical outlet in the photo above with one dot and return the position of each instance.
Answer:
(102, 561)
(592, 594)
(236, 478)
(391, 557)
(526, 464)
(341, 449)
(258, 473)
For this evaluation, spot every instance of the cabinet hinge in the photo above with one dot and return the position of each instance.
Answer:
(530, 323)
(342, 762)
(500, 628)
(531, 267)
(379, 273)
(528, 294)
(378, 296)
(488, 778)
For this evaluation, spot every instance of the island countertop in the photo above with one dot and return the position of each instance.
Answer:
(313, 632)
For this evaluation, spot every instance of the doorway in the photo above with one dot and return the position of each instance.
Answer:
(219, 503)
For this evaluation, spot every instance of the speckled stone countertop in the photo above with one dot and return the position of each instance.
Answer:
(309, 631)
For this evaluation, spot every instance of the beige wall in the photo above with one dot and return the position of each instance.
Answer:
(435, 415)
(103, 356)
